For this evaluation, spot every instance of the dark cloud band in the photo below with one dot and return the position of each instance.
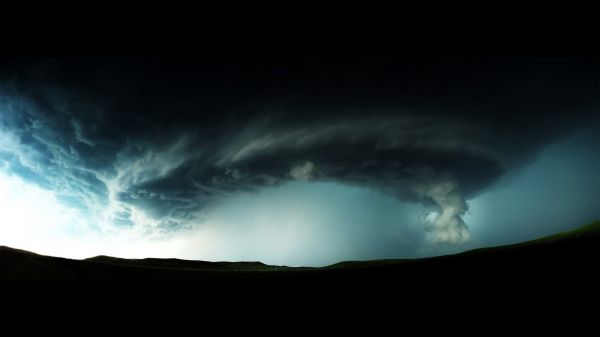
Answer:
(158, 140)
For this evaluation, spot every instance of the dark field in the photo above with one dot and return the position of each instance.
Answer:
(571, 257)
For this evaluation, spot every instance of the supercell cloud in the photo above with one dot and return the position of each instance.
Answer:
(152, 144)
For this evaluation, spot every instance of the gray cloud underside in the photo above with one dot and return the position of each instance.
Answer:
(95, 152)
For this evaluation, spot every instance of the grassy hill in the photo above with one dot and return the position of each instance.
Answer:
(574, 255)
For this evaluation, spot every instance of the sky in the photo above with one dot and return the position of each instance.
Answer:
(294, 162)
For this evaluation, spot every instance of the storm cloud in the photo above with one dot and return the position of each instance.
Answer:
(154, 143)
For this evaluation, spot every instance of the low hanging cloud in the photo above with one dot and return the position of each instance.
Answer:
(154, 152)
(446, 225)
